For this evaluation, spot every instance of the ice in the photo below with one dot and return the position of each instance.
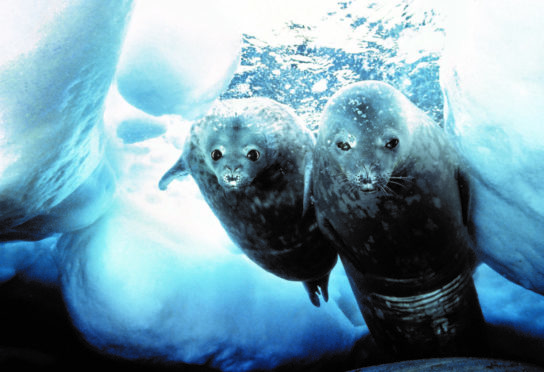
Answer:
(505, 303)
(79, 209)
(493, 82)
(137, 288)
(178, 56)
(132, 131)
(32, 260)
(53, 80)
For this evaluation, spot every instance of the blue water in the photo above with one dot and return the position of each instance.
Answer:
(287, 73)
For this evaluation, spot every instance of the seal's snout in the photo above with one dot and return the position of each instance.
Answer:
(365, 180)
(231, 180)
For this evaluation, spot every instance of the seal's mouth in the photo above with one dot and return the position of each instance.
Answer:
(368, 189)
(231, 182)
(366, 184)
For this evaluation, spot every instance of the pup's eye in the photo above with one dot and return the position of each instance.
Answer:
(253, 155)
(216, 155)
(392, 144)
(344, 146)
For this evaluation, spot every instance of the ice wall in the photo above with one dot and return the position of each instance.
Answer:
(57, 61)
(493, 82)
(178, 56)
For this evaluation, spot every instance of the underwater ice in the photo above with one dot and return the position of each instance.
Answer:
(146, 273)
(52, 89)
(493, 81)
(178, 57)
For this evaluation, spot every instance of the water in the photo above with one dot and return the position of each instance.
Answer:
(303, 64)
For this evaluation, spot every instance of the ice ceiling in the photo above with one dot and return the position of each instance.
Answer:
(95, 99)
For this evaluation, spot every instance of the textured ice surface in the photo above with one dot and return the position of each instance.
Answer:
(178, 56)
(137, 288)
(508, 304)
(55, 69)
(493, 82)
(32, 260)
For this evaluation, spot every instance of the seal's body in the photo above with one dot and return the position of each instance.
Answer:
(390, 196)
(250, 158)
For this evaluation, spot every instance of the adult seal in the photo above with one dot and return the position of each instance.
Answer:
(390, 195)
(251, 159)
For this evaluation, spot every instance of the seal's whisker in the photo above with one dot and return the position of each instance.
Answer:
(342, 177)
(402, 178)
(390, 190)
(373, 166)
(398, 183)
(383, 189)
(353, 188)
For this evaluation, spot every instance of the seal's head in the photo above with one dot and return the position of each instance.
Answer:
(237, 146)
(235, 157)
(364, 131)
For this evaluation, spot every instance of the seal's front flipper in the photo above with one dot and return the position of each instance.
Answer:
(313, 291)
(323, 283)
(464, 194)
(180, 169)
(463, 183)
(308, 161)
(316, 287)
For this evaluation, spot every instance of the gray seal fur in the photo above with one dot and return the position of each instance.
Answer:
(251, 159)
(390, 194)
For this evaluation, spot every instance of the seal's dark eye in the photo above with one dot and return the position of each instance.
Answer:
(253, 155)
(216, 155)
(344, 146)
(392, 144)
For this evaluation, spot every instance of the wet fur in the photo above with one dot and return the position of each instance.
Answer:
(406, 240)
(267, 215)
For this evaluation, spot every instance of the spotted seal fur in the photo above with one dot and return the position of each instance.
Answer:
(250, 158)
(390, 194)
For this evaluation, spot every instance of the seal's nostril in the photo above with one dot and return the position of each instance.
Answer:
(364, 179)
(230, 177)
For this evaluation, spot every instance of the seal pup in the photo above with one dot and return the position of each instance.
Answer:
(250, 158)
(390, 195)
